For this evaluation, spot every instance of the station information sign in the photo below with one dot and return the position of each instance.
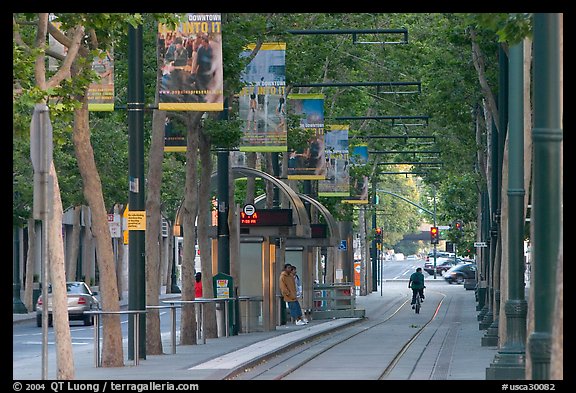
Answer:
(266, 217)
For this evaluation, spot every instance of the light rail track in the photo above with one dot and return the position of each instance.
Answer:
(321, 350)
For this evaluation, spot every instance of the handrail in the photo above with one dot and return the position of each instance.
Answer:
(136, 327)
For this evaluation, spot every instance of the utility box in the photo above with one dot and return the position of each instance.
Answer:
(223, 286)
(224, 289)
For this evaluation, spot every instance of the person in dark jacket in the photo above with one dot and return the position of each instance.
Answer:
(416, 282)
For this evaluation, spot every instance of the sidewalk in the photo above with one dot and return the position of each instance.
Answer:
(220, 357)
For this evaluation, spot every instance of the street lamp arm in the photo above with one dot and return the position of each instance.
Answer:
(409, 201)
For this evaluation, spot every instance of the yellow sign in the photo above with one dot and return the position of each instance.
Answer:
(137, 220)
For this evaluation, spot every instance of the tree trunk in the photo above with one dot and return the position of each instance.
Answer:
(250, 182)
(479, 64)
(72, 257)
(189, 213)
(269, 185)
(112, 349)
(56, 262)
(153, 221)
(170, 266)
(87, 247)
(204, 243)
(363, 256)
(29, 282)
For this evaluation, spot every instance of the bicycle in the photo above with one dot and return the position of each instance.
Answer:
(417, 303)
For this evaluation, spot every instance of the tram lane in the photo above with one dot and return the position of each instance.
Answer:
(368, 354)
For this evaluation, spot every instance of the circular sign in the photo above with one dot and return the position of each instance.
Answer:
(249, 209)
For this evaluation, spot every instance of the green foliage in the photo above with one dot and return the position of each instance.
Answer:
(438, 55)
(510, 28)
(224, 134)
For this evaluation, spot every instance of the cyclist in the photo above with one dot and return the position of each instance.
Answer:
(416, 282)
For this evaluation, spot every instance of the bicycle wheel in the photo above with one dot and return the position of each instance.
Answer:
(417, 306)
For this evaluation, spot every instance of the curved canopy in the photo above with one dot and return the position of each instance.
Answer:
(299, 214)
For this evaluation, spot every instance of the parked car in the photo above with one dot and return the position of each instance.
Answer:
(442, 265)
(439, 254)
(80, 299)
(459, 273)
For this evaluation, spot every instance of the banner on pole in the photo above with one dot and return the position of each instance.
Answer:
(359, 183)
(262, 102)
(337, 183)
(191, 55)
(308, 163)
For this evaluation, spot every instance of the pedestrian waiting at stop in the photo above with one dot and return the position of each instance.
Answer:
(198, 285)
(288, 290)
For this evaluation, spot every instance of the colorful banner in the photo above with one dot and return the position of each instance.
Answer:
(308, 163)
(174, 135)
(262, 102)
(337, 183)
(191, 55)
(360, 184)
(100, 93)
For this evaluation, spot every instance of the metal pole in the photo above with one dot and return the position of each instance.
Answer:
(96, 340)
(435, 245)
(18, 306)
(546, 137)
(136, 239)
(509, 362)
(374, 246)
(41, 156)
(223, 229)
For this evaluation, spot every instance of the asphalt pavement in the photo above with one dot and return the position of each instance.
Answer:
(223, 356)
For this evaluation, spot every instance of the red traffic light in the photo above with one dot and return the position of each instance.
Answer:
(378, 231)
(434, 235)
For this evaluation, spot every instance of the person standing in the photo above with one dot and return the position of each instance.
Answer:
(298, 283)
(416, 282)
(198, 285)
(288, 290)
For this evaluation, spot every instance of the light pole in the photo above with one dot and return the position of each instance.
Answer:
(546, 199)
(136, 238)
(509, 362)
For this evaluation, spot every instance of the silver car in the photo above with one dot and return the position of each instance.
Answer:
(80, 299)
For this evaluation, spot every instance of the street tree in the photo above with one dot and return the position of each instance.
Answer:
(35, 50)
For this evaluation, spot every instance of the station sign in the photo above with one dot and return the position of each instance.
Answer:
(266, 218)
(319, 231)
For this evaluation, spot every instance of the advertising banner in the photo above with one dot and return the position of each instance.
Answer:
(337, 183)
(358, 184)
(100, 92)
(262, 101)
(191, 55)
(174, 135)
(308, 163)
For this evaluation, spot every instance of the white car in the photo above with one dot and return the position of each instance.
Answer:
(80, 299)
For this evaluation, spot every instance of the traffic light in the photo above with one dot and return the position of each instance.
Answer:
(434, 235)
(458, 225)
(379, 235)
